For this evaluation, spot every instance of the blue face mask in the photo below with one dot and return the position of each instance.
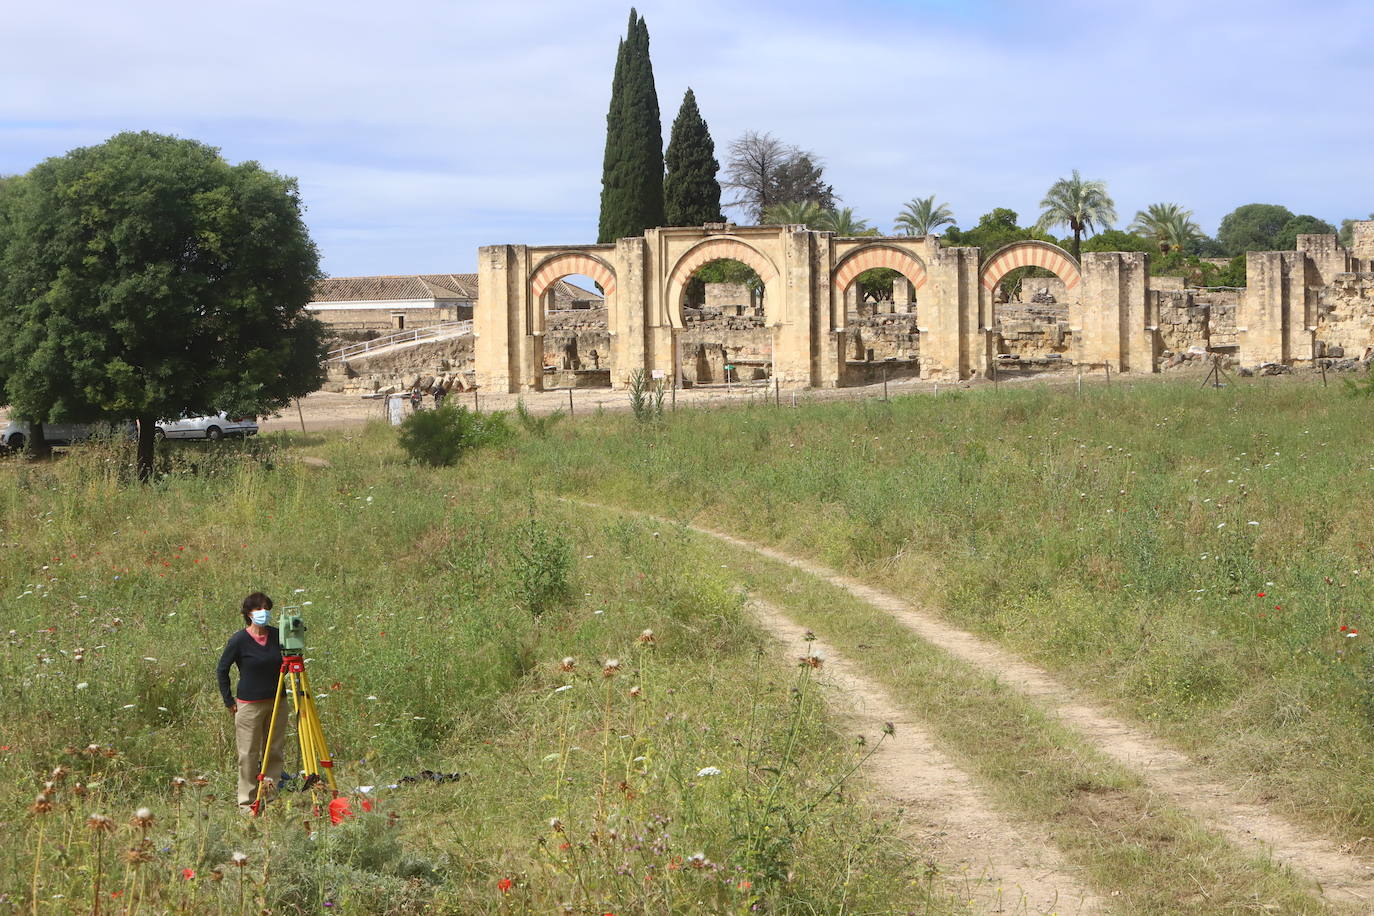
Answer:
(258, 617)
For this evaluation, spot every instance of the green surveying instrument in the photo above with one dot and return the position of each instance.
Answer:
(316, 764)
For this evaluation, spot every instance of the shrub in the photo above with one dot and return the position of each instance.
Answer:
(440, 437)
(542, 566)
(539, 427)
(646, 397)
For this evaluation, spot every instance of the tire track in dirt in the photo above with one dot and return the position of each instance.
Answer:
(1343, 877)
(1003, 865)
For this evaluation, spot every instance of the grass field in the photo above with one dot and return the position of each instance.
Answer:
(442, 610)
(1198, 559)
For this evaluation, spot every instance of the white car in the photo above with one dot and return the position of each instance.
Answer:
(210, 426)
(14, 434)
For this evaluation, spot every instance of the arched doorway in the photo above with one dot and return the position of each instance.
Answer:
(730, 338)
(571, 297)
(1033, 326)
(877, 287)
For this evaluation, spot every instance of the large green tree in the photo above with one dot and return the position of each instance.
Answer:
(1081, 206)
(632, 172)
(1302, 224)
(1253, 227)
(921, 216)
(691, 192)
(145, 277)
(765, 172)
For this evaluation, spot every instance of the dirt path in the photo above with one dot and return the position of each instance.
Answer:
(1345, 878)
(1004, 865)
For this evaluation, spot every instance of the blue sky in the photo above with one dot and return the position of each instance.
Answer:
(421, 129)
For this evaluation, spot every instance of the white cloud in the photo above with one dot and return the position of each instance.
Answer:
(421, 129)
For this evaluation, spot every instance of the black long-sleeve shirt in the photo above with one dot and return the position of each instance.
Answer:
(259, 667)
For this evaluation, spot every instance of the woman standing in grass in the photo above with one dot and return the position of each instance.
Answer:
(256, 650)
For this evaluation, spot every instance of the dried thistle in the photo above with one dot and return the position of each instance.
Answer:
(142, 819)
(646, 638)
(100, 823)
(811, 661)
(239, 859)
(137, 856)
(636, 692)
(611, 666)
(41, 804)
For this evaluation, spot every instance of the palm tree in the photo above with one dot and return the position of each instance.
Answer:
(843, 222)
(793, 213)
(1080, 205)
(1169, 225)
(922, 216)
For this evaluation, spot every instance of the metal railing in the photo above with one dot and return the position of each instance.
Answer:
(443, 329)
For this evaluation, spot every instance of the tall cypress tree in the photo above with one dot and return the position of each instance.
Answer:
(691, 193)
(632, 172)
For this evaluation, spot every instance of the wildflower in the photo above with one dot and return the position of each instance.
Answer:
(811, 661)
(745, 884)
(504, 885)
(1344, 628)
(142, 819)
(239, 859)
(137, 856)
(1259, 594)
(41, 805)
(188, 873)
(100, 823)
(636, 691)
(889, 729)
(568, 663)
(1353, 633)
(611, 666)
(647, 637)
(555, 825)
(809, 635)
(698, 860)
(708, 771)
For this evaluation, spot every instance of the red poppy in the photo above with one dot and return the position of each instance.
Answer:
(1344, 628)
(1259, 594)
(504, 885)
(188, 873)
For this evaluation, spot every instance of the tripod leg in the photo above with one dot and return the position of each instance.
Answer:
(310, 719)
(267, 746)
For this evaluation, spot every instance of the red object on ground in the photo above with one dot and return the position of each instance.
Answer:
(342, 807)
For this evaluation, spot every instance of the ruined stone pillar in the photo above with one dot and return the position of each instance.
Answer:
(948, 314)
(796, 320)
(630, 331)
(502, 348)
(1274, 320)
(901, 293)
(1115, 313)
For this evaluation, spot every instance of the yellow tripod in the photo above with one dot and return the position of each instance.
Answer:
(316, 764)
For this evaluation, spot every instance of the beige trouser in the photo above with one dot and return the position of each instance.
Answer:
(250, 728)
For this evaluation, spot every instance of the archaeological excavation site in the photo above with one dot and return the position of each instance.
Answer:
(809, 309)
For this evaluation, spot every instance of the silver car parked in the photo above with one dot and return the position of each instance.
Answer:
(15, 434)
(209, 426)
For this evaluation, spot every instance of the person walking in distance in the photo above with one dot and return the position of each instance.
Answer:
(256, 650)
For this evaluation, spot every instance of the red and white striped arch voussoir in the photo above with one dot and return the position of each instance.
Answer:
(719, 249)
(559, 266)
(879, 256)
(1031, 255)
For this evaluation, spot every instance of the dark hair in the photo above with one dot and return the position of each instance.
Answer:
(254, 602)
